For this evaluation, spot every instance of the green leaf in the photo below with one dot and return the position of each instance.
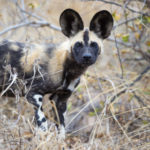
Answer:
(145, 122)
(130, 97)
(92, 114)
(31, 5)
(148, 50)
(147, 92)
(102, 104)
(114, 13)
(126, 14)
(116, 16)
(146, 19)
(69, 106)
(148, 43)
(125, 38)
(79, 88)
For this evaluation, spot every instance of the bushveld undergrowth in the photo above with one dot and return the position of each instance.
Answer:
(110, 109)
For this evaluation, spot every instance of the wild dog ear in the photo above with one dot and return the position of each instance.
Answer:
(102, 23)
(70, 22)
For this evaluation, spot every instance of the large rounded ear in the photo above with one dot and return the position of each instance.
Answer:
(70, 22)
(102, 23)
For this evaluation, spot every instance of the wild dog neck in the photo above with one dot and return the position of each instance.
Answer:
(72, 69)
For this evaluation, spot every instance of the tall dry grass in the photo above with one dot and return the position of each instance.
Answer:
(93, 122)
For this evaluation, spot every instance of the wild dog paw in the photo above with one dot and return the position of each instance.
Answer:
(61, 132)
(43, 126)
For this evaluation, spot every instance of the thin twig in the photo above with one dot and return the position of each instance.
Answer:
(119, 5)
(139, 99)
(131, 84)
(14, 77)
(29, 13)
(39, 23)
(124, 132)
(126, 21)
(144, 54)
(120, 61)
(133, 59)
(23, 14)
(129, 45)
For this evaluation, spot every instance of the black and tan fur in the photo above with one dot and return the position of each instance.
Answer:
(43, 69)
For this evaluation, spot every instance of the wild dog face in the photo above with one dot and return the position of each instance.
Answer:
(86, 44)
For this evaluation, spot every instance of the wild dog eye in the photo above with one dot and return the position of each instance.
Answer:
(78, 45)
(94, 45)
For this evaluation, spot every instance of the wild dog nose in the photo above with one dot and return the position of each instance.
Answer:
(87, 56)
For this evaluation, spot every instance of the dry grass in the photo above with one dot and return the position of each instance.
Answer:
(92, 121)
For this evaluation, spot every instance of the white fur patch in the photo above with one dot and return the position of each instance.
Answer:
(40, 114)
(62, 134)
(71, 86)
(37, 97)
(43, 126)
(14, 47)
(64, 114)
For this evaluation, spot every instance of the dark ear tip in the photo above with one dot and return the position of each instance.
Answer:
(68, 9)
(102, 23)
(70, 22)
(107, 13)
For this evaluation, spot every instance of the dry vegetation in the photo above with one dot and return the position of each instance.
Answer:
(110, 110)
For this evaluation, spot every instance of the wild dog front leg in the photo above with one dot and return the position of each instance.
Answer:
(40, 119)
(60, 97)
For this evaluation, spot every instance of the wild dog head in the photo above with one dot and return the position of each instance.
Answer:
(86, 43)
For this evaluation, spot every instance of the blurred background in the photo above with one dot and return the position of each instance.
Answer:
(110, 109)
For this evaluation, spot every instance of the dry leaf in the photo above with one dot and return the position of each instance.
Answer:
(148, 43)
(137, 35)
(28, 134)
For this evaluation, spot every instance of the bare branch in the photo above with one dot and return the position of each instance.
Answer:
(143, 54)
(29, 13)
(125, 7)
(147, 2)
(120, 61)
(131, 84)
(23, 8)
(139, 99)
(129, 45)
(38, 23)
(126, 21)
(133, 59)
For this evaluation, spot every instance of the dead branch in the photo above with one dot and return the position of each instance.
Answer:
(119, 57)
(123, 6)
(144, 55)
(145, 1)
(126, 21)
(134, 59)
(129, 45)
(22, 10)
(37, 23)
(131, 84)
(139, 99)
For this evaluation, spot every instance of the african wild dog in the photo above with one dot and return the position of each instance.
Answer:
(49, 69)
